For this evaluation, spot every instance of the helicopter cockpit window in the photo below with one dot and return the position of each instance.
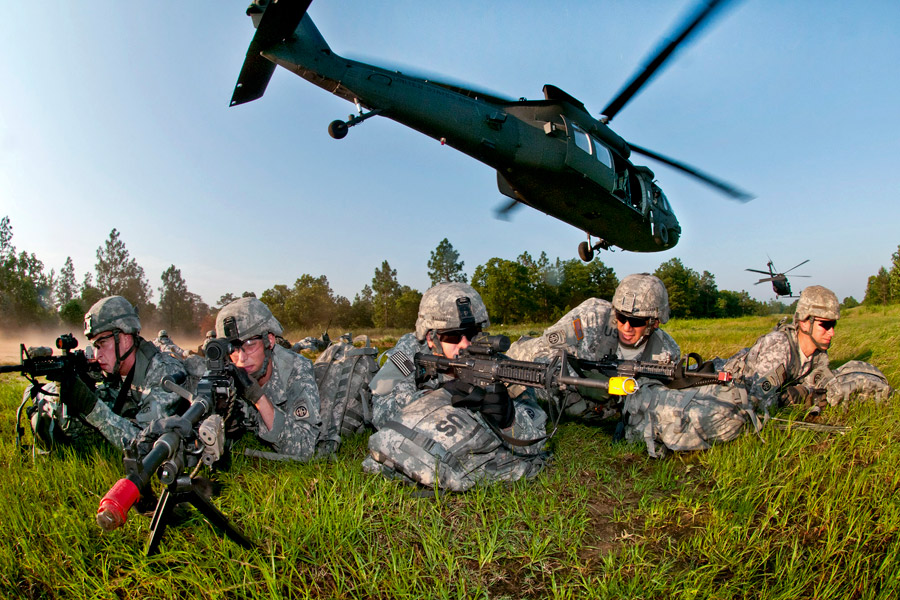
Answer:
(602, 153)
(582, 139)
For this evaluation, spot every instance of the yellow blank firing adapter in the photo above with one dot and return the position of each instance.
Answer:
(622, 386)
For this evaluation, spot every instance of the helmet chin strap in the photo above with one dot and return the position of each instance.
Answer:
(652, 325)
(120, 358)
(268, 356)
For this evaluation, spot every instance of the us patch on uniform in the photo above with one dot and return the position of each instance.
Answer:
(402, 362)
(579, 332)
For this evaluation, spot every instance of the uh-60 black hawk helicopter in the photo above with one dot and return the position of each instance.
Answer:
(549, 154)
(780, 284)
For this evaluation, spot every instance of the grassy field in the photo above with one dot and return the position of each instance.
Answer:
(788, 514)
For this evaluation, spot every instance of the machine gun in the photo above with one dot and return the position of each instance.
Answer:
(482, 364)
(173, 453)
(64, 367)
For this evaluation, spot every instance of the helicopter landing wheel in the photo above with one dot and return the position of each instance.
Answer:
(585, 252)
(338, 129)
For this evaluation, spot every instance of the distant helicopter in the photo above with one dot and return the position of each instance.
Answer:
(549, 154)
(780, 284)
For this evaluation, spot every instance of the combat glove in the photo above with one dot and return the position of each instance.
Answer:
(77, 397)
(247, 387)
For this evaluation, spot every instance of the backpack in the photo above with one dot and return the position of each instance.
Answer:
(343, 373)
(686, 419)
(857, 378)
(441, 446)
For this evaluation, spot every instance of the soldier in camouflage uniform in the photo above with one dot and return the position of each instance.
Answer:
(627, 328)
(278, 387)
(435, 432)
(167, 346)
(131, 395)
(790, 365)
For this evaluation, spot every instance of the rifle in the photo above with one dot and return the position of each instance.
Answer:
(688, 373)
(41, 362)
(482, 364)
(173, 453)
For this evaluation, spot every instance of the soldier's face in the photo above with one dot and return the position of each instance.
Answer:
(251, 355)
(631, 329)
(105, 349)
(821, 331)
(453, 342)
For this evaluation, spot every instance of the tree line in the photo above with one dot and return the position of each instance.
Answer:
(525, 290)
(883, 288)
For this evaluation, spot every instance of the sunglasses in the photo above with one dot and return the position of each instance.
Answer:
(249, 345)
(455, 336)
(826, 325)
(633, 321)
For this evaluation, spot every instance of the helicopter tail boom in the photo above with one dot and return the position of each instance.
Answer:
(275, 22)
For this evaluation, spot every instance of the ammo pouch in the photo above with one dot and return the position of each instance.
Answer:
(440, 446)
(688, 419)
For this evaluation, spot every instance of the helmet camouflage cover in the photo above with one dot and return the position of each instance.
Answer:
(162, 333)
(450, 305)
(817, 301)
(246, 318)
(642, 295)
(113, 313)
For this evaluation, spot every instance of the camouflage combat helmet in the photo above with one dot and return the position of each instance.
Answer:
(162, 334)
(246, 318)
(450, 305)
(642, 295)
(817, 301)
(113, 313)
(210, 334)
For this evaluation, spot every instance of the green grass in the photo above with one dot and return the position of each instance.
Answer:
(788, 514)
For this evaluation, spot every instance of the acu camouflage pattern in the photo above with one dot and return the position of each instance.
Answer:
(147, 399)
(110, 313)
(342, 373)
(392, 389)
(772, 364)
(589, 332)
(167, 346)
(434, 444)
(857, 379)
(695, 418)
(439, 309)
(817, 301)
(295, 397)
(642, 295)
(251, 317)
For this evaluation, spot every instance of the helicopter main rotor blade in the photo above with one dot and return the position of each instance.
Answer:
(727, 189)
(758, 271)
(504, 212)
(630, 90)
(795, 266)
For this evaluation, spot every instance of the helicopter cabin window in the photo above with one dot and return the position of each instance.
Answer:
(601, 152)
(582, 139)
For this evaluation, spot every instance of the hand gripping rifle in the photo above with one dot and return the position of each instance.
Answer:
(41, 362)
(173, 453)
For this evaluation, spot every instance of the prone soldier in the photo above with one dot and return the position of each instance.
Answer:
(278, 386)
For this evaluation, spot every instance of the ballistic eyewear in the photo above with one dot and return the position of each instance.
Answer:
(455, 336)
(633, 321)
(826, 325)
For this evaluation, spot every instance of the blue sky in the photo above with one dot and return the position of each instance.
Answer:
(117, 115)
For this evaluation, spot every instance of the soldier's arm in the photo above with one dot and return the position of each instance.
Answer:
(766, 368)
(296, 423)
(117, 429)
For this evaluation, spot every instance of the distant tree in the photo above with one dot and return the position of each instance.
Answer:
(72, 313)
(503, 285)
(118, 274)
(66, 286)
(89, 294)
(363, 308)
(878, 289)
(25, 290)
(176, 303)
(849, 302)
(580, 281)
(683, 285)
(894, 276)
(311, 302)
(543, 284)
(248, 295)
(444, 264)
(277, 298)
(408, 307)
(225, 299)
(387, 290)
(707, 296)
